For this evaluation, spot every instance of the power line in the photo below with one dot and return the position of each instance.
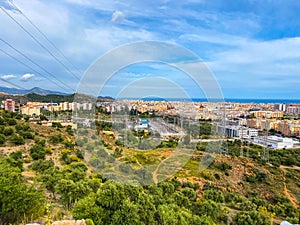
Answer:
(43, 34)
(29, 67)
(46, 71)
(39, 43)
(15, 85)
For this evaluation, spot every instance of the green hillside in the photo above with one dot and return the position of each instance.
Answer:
(55, 98)
(47, 175)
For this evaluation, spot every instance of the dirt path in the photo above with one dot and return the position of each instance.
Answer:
(285, 190)
(178, 163)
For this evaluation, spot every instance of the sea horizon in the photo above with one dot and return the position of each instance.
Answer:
(235, 100)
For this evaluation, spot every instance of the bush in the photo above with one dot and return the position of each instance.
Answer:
(217, 176)
(48, 150)
(79, 166)
(65, 157)
(250, 179)
(27, 134)
(11, 122)
(69, 144)
(74, 158)
(224, 166)
(8, 131)
(55, 139)
(80, 154)
(2, 139)
(57, 124)
(70, 130)
(261, 177)
(2, 121)
(37, 152)
(17, 139)
(19, 202)
(249, 218)
(41, 165)
(234, 198)
(210, 208)
(214, 195)
(39, 141)
(89, 222)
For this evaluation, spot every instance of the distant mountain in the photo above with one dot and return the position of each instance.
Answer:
(36, 90)
(105, 98)
(41, 91)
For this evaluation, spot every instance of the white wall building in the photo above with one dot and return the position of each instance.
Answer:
(237, 131)
(275, 142)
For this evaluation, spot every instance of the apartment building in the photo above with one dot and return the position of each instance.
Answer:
(9, 105)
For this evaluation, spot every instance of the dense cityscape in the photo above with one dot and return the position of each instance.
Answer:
(274, 125)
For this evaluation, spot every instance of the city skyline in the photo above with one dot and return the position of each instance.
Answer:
(251, 47)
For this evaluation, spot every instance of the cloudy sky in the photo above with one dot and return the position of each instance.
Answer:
(251, 47)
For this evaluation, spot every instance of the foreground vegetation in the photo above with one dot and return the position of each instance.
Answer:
(47, 175)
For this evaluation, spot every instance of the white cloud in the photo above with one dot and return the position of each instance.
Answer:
(27, 77)
(117, 16)
(8, 77)
(6, 4)
(83, 32)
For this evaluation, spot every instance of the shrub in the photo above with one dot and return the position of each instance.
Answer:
(224, 166)
(252, 217)
(80, 154)
(48, 150)
(74, 158)
(217, 176)
(55, 139)
(39, 141)
(69, 144)
(37, 152)
(89, 222)
(261, 177)
(8, 131)
(57, 124)
(11, 122)
(27, 134)
(41, 165)
(17, 139)
(2, 121)
(2, 139)
(214, 195)
(70, 130)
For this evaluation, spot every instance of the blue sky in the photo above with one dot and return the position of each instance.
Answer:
(251, 47)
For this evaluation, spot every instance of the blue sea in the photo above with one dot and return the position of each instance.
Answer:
(238, 100)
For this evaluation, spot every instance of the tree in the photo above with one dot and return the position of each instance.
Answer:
(250, 218)
(171, 214)
(71, 191)
(18, 202)
(214, 195)
(209, 208)
(16, 159)
(189, 193)
(128, 214)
